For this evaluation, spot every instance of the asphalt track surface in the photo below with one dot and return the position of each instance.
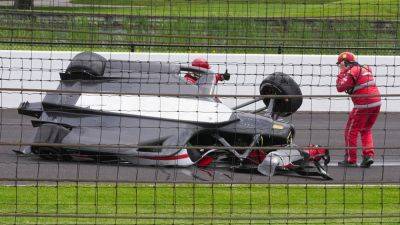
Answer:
(325, 129)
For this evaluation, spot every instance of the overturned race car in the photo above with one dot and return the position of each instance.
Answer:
(149, 113)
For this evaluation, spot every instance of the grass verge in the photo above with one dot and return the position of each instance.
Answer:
(198, 35)
(198, 203)
(249, 8)
(253, 26)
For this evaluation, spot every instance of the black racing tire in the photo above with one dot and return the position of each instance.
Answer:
(50, 153)
(85, 66)
(281, 84)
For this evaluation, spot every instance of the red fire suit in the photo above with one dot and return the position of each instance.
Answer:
(358, 80)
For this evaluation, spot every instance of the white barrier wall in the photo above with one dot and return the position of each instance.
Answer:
(316, 74)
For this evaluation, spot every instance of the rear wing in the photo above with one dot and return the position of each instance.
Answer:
(195, 69)
(30, 109)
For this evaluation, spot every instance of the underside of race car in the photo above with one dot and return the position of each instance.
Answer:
(146, 113)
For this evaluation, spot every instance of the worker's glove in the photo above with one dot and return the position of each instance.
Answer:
(224, 76)
(350, 91)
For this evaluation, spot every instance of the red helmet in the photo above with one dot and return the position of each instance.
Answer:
(200, 62)
(346, 57)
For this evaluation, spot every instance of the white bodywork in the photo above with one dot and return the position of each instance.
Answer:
(173, 108)
(279, 158)
(180, 159)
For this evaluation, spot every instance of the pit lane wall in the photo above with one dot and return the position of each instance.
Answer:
(316, 74)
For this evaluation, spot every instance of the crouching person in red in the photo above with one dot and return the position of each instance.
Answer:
(191, 77)
(356, 79)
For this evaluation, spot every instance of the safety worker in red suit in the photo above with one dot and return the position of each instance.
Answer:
(192, 77)
(356, 79)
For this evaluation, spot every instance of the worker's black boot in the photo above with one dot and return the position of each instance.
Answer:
(367, 162)
(345, 163)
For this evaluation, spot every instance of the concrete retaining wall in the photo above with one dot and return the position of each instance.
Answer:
(316, 74)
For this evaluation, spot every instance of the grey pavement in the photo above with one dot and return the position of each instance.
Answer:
(58, 3)
(61, 3)
(325, 129)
